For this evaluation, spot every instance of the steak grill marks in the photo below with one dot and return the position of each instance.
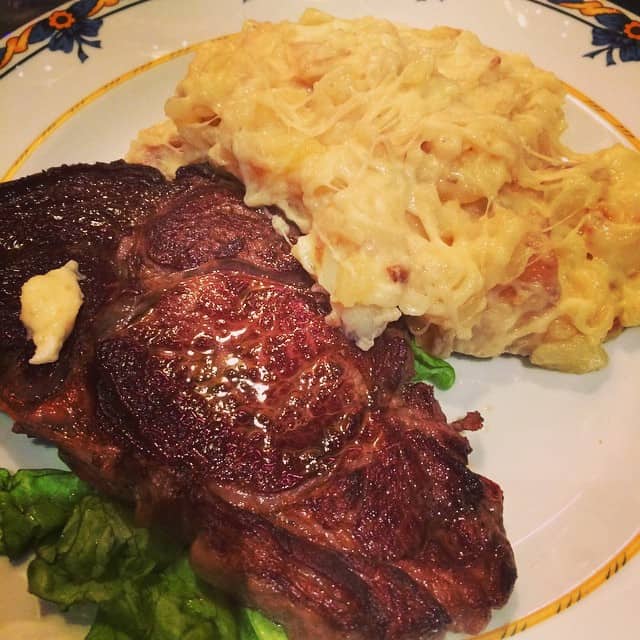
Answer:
(202, 383)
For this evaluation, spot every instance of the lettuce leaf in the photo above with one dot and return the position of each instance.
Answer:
(172, 605)
(95, 557)
(254, 626)
(431, 369)
(33, 504)
(142, 583)
(88, 551)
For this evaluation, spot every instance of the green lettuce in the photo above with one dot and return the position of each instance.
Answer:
(431, 369)
(88, 551)
(33, 504)
(254, 626)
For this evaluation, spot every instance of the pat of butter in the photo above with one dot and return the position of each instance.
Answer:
(49, 306)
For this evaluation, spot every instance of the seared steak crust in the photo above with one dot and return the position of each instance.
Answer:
(203, 384)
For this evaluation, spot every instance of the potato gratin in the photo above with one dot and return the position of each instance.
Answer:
(426, 173)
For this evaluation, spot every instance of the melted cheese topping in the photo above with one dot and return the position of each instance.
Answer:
(49, 306)
(426, 173)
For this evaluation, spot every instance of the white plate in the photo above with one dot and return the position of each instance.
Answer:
(564, 448)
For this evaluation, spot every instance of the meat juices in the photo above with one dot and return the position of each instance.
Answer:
(202, 384)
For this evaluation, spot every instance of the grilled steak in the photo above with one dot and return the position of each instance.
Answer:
(202, 383)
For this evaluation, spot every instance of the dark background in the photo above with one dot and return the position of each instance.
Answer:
(13, 13)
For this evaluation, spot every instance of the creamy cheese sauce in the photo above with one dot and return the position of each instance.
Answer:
(426, 173)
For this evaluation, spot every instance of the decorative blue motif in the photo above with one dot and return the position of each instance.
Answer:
(66, 28)
(614, 32)
(621, 33)
(63, 29)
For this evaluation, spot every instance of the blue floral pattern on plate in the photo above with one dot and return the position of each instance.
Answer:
(75, 27)
(613, 31)
(63, 29)
(621, 33)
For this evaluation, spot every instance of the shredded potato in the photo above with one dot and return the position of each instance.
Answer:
(426, 173)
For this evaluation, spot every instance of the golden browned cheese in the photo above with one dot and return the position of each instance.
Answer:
(427, 175)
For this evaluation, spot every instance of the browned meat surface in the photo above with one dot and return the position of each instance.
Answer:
(202, 383)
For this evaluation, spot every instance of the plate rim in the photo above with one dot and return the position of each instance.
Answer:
(560, 603)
